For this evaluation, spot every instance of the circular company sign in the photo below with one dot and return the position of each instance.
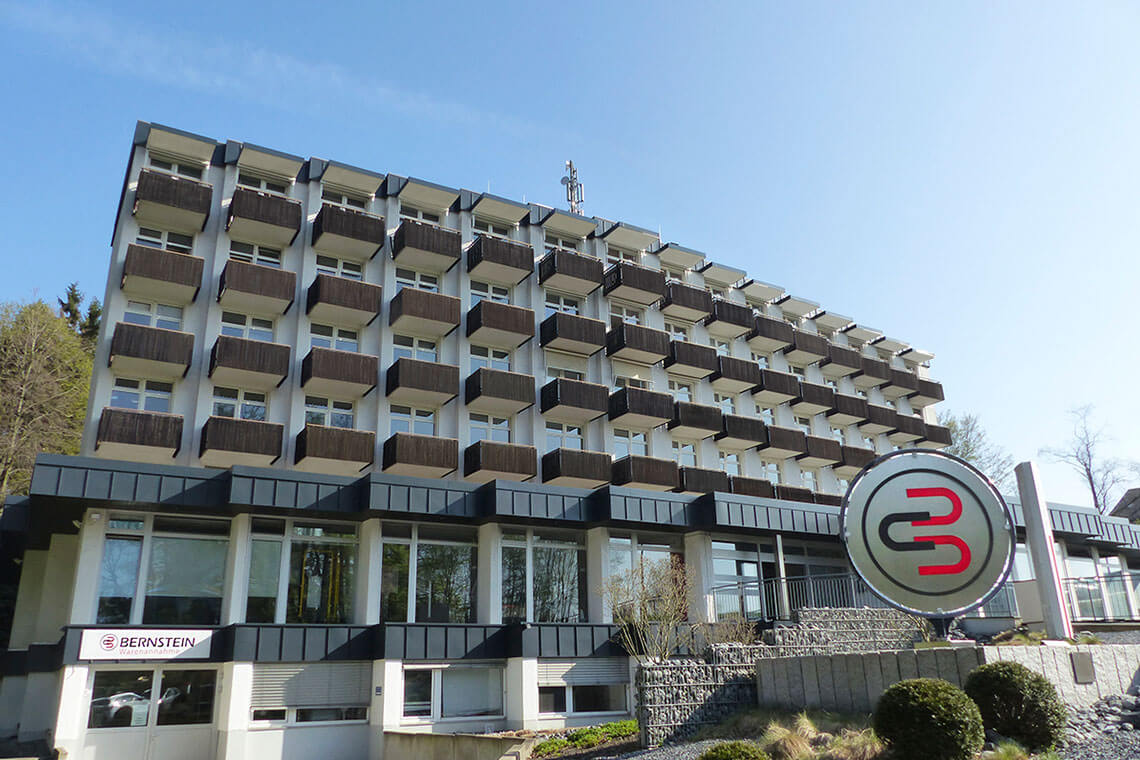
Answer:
(927, 532)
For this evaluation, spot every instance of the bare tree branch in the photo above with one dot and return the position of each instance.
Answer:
(1084, 452)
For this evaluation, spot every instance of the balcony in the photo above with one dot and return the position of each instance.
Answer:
(420, 456)
(640, 409)
(253, 364)
(907, 429)
(420, 383)
(735, 375)
(421, 312)
(762, 489)
(769, 335)
(425, 247)
(138, 436)
(573, 402)
(686, 302)
(901, 383)
(570, 272)
(340, 374)
(256, 289)
(691, 359)
(781, 443)
(227, 441)
(258, 217)
(170, 202)
(880, 419)
(338, 451)
(503, 261)
(729, 320)
(829, 499)
(775, 388)
(647, 473)
(813, 399)
(150, 351)
(341, 301)
(852, 460)
(848, 410)
(347, 233)
(489, 460)
(819, 452)
(695, 421)
(165, 276)
(929, 392)
(794, 493)
(634, 283)
(576, 469)
(840, 362)
(500, 325)
(873, 373)
(635, 343)
(696, 480)
(739, 432)
(573, 334)
(494, 391)
(806, 348)
(937, 437)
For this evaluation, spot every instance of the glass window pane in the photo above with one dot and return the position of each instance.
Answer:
(514, 584)
(118, 577)
(184, 581)
(394, 583)
(600, 698)
(551, 699)
(320, 582)
(472, 691)
(187, 697)
(120, 698)
(417, 693)
(264, 569)
(445, 584)
(559, 584)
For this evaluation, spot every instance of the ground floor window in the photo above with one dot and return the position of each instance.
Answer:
(582, 699)
(428, 574)
(441, 692)
(152, 696)
(585, 685)
(318, 692)
(301, 572)
(544, 577)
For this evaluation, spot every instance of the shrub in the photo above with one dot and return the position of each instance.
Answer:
(619, 729)
(782, 743)
(929, 719)
(549, 747)
(584, 738)
(853, 745)
(1018, 703)
(733, 751)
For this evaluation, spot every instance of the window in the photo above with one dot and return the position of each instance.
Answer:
(831, 383)
(677, 331)
(405, 419)
(627, 314)
(407, 278)
(350, 270)
(553, 373)
(171, 241)
(837, 434)
(614, 255)
(245, 405)
(555, 565)
(766, 414)
(729, 462)
(490, 358)
(418, 215)
(681, 391)
(716, 292)
(726, 403)
(674, 275)
(244, 326)
(255, 254)
(246, 179)
(685, 453)
(844, 484)
(861, 392)
(121, 698)
(174, 166)
(555, 242)
(622, 381)
(343, 199)
(322, 411)
(318, 564)
(494, 229)
(486, 427)
(562, 436)
(406, 347)
(869, 442)
(556, 302)
(145, 395)
(804, 424)
(770, 471)
(630, 443)
(326, 336)
(481, 291)
(153, 315)
(428, 574)
(326, 714)
(797, 371)
(452, 691)
(810, 479)
(889, 403)
(723, 347)
(761, 360)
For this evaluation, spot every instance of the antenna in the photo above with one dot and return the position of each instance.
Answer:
(575, 193)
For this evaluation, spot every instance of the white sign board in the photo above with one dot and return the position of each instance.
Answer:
(144, 644)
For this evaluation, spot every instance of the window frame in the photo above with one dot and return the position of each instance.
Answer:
(436, 713)
(247, 328)
(260, 255)
(337, 339)
(143, 391)
(423, 216)
(489, 291)
(176, 166)
(402, 351)
(561, 432)
(489, 427)
(626, 439)
(241, 400)
(336, 267)
(164, 241)
(347, 200)
(491, 228)
(152, 316)
(498, 359)
(262, 183)
(413, 416)
(330, 408)
(417, 280)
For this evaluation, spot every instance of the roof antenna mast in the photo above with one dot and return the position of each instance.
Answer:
(575, 193)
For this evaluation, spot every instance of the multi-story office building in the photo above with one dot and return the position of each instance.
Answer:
(361, 450)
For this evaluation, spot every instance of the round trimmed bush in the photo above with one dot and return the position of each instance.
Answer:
(929, 719)
(733, 751)
(1019, 704)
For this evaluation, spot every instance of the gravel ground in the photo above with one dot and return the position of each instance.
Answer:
(690, 751)
(1121, 745)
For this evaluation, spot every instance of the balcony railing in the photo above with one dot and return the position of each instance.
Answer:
(1103, 598)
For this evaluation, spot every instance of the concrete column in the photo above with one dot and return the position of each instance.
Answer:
(234, 697)
(522, 692)
(376, 712)
(85, 593)
(237, 570)
(11, 697)
(41, 705)
(785, 606)
(55, 594)
(71, 719)
(366, 604)
(27, 609)
(1129, 592)
(489, 598)
(597, 570)
(392, 693)
(1039, 538)
(699, 564)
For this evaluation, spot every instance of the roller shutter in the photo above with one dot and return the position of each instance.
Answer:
(319, 684)
(585, 671)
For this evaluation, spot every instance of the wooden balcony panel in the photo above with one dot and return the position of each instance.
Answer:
(491, 259)
(170, 202)
(806, 348)
(243, 363)
(820, 452)
(348, 233)
(421, 383)
(490, 460)
(570, 272)
(729, 320)
(425, 246)
(880, 419)
(769, 335)
(166, 276)
(907, 429)
(695, 421)
(493, 391)
(338, 451)
(794, 493)
(640, 409)
(227, 441)
(636, 343)
(752, 487)
(423, 313)
(339, 374)
(499, 325)
(848, 410)
(574, 402)
(901, 383)
(576, 469)
(691, 359)
(256, 289)
(813, 399)
(736, 375)
(873, 373)
(634, 283)
(697, 480)
(573, 334)
(853, 459)
(827, 499)
(686, 302)
(782, 443)
(775, 388)
(422, 456)
(150, 352)
(937, 437)
(840, 362)
(138, 435)
(341, 301)
(260, 217)
(646, 472)
(929, 392)
(739, 432)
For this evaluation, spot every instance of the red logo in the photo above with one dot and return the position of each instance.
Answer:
(927, 543)
(107, 642)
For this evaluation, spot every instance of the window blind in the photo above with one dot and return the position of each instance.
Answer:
(311, 685)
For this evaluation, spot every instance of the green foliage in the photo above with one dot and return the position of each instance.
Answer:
(783, 743)
(736, 750)
(619, 729)
(929, 719)
(1008, 751)
(585, 738)
(854, 745)
(1018, 703)
(549, 747)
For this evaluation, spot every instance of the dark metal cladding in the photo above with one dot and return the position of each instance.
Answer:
(242, 436)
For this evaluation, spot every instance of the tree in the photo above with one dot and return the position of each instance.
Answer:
(83, 324)
(1084, 452)
(650, 603)
(971, 443)
(45, 371)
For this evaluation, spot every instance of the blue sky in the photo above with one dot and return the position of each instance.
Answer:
(963, 176)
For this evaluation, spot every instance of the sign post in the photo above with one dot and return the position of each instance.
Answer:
(928, 533)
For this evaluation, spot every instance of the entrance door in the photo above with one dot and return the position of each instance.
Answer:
(164, 713)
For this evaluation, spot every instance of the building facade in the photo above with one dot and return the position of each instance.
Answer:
(361, 450)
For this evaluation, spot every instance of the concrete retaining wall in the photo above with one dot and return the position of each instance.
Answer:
(424, 746)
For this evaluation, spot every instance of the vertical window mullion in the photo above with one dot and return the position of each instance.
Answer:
(413, 569)
(283, 575)
(144, 571)
(530, 576)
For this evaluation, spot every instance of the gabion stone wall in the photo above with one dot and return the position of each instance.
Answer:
(840, 630)
(675, 699)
